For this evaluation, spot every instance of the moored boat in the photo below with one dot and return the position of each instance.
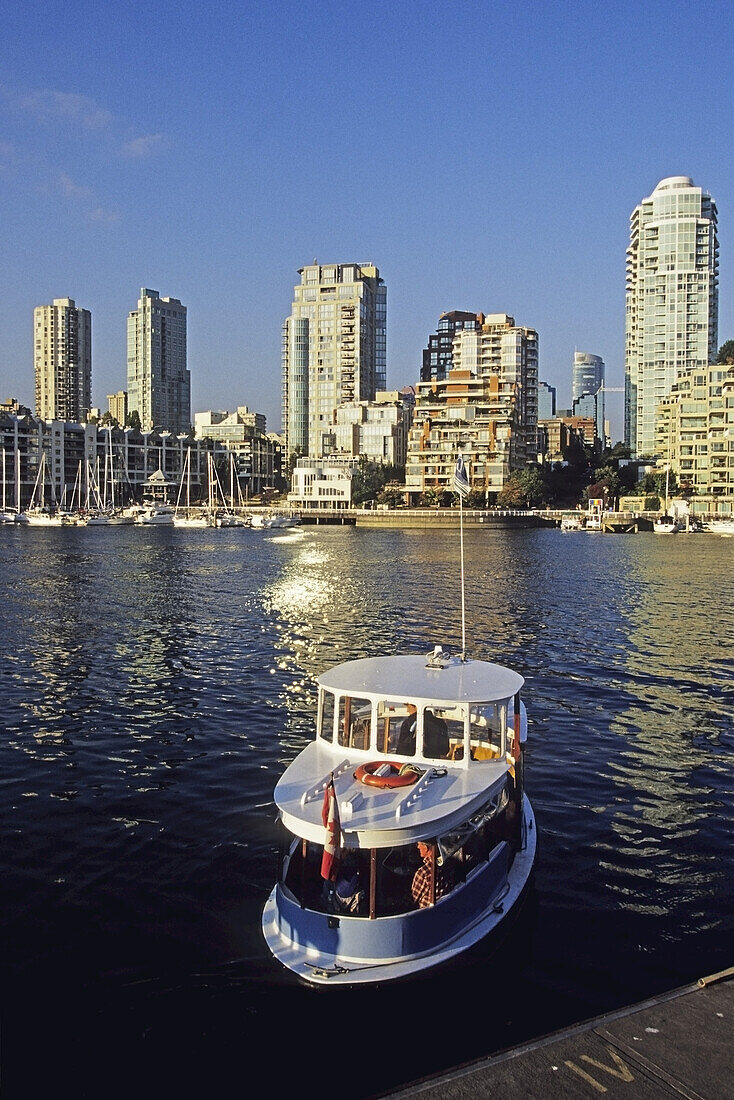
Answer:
(665, 525)
(408, 837)
(721, 526)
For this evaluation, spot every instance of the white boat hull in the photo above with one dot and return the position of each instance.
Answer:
(721, 526)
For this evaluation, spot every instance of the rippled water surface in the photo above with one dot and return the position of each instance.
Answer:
(155, 682)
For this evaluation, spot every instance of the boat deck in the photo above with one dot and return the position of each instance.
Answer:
(677, 1044)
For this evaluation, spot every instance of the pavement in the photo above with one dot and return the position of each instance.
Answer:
(680, 1044)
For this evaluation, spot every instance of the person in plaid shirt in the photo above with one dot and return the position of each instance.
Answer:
(421, 888)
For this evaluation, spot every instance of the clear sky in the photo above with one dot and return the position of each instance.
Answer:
(485, 156)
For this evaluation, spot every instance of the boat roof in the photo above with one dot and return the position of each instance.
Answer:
(444, 795)
(436, 678)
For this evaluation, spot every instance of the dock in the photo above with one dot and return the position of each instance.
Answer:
(678, 1044)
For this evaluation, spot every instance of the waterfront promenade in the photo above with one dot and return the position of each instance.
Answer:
(448, 518)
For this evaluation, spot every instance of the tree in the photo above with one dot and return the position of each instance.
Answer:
(370, 477)
(133, 421)
(391, 494)
(606, 485)
(726, 352)
(655, 483)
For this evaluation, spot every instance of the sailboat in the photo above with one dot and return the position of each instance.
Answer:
(182, 516)
(5, 515)
(38, 514)
(665, 524)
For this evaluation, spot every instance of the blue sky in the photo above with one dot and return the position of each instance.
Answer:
(486, 156)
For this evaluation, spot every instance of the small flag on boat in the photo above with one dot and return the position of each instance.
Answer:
(461, 481)
(332, 840)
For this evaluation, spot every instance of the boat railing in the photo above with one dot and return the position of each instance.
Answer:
(414, 793)
(317, 791)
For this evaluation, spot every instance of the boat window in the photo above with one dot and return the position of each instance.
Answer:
(455, 719)
(326, 715)
(354, 722)
(488, 723)
(391, 714)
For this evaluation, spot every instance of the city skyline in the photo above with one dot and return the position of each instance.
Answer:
(478, 171)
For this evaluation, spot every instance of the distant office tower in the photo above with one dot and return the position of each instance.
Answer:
(158, 382)
(546, 401)
(671, 301)
(588, 374)
(334, 349)
(62, 353)
(438, 356)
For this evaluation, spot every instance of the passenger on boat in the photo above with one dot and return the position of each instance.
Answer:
(435, 734)
(433, 867)
(347, 894)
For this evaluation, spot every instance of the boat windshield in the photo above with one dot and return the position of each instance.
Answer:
(408, 729)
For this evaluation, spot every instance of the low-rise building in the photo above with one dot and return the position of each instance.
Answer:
(376, 429)
(257, 455)
(322, 483)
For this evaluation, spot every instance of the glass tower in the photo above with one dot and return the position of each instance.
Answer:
(671, 300)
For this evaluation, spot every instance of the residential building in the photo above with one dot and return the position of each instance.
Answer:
(510, 353)
(256, 461)
(671, 300)
(376, 429)
(322, 483)
(694, 436)
(334, 350)
(487, 408)
(438, 356)
(158, 380)
(117, 406)
(62, 356)
(564, 438)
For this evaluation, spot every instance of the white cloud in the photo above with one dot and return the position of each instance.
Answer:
(72, 189)
(143, 146)
(48, 105)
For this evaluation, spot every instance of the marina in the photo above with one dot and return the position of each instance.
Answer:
(157, 685)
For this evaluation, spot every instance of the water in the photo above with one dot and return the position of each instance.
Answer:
(155, 682)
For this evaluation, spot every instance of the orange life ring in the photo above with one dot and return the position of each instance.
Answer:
(396, 777)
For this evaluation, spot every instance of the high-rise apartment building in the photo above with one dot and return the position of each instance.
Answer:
(62, 355)
(334, 349)
(509, 351)
(438, 356)
(158, 381)
(671, 300)
(486, 407)
(588, 374)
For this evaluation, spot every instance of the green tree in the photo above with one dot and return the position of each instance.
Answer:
(133, 421)
(726, 352)
(655, 483)
(370, 477)
(430, 497)
(391, 494)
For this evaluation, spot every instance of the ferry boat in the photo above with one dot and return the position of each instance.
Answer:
(407, 834)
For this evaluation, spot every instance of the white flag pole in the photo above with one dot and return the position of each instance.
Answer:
(463, 613)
